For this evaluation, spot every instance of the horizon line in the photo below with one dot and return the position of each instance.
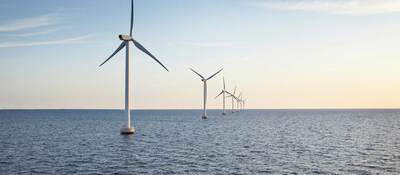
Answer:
(141, 109)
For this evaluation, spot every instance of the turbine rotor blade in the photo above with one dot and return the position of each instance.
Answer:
(219, 94)
(214, 74)
(232, 96)
(228, 93)
(122, 45)
(140, 47)
(196, 73)
(131, 29)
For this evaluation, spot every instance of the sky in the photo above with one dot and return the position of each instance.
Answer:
(279, 54)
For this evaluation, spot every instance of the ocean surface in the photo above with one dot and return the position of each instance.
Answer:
(180, 142)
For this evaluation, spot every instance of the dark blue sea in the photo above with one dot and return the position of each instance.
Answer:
(180, 142)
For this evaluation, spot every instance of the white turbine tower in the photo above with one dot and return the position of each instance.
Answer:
(204, 80)
(126, 39)
(223, 92)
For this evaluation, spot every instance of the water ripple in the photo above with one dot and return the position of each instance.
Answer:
(179, 142)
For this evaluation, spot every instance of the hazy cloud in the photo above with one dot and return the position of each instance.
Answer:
(28, 23)
(42, 22)
(41, 43)
(34, 33)
(210, 44)
(335, 6)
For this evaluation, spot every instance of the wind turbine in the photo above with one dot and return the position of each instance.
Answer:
(241, 102)
(233, 98)
(223, 97)
(126, 39)
(238, 102)
(244, 103)
(204, 80)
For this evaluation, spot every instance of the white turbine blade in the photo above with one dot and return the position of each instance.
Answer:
(196, 73)
(214, 74)
(132, 18)
(122, 45)
(219, 94)
(231, 95)
(140, 47)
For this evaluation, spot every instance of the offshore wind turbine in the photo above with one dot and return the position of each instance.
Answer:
(126, 39)
(204, 80)
(223, 92)
(233, 99)
(238, 102)
(243, 103)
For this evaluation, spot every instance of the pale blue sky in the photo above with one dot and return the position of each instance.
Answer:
(281, 54)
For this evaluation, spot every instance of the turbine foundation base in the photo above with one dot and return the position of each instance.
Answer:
(204, 117)
(127, 131)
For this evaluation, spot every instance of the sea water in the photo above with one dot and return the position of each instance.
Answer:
(180, 142)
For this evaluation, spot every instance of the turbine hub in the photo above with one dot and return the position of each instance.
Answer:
(125, 37)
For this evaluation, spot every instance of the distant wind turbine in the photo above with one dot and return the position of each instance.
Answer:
(223, 92)
(125, 44)
(204, 80)
(238, 102)
(244, 103)
(232, 95)
(241, 102)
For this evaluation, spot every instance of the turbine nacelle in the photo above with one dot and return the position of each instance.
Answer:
(125, 37)
(203, 79)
